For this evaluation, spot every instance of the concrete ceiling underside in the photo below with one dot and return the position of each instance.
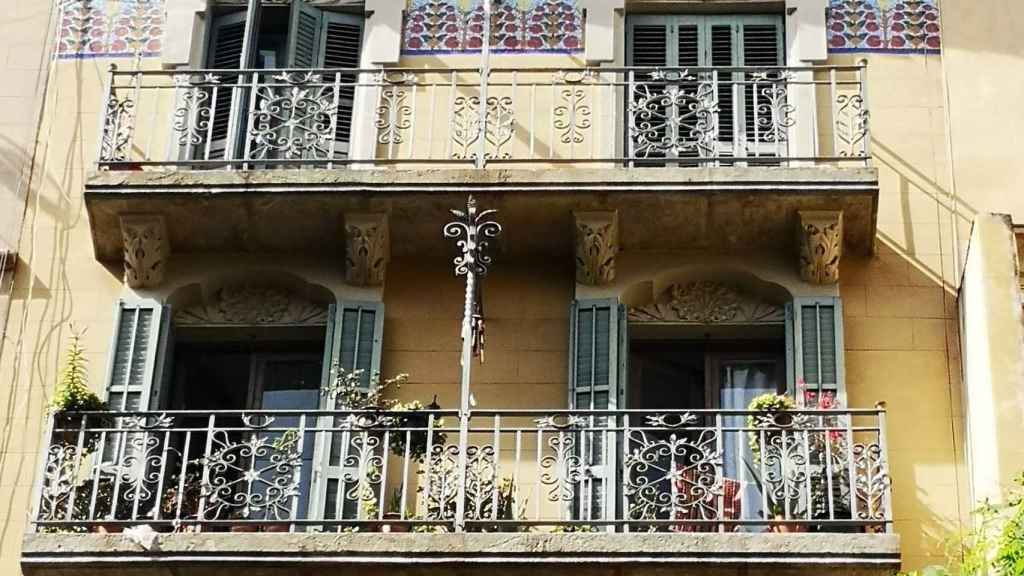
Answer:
(728, 210)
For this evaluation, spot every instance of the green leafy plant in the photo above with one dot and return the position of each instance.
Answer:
(995, 546)
(72, 393)
(349, 391)
(770, 403)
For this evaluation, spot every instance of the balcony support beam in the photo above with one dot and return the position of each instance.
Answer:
(596, 245)
(820, 238)
(367, 249)
(146, 249)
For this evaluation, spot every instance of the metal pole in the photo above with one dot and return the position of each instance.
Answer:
(472, 231)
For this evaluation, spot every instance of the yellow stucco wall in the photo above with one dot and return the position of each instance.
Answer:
(901, 329)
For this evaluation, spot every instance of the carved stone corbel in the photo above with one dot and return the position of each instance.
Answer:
(146, 249)
(597, 244)
(367, 249)
(820, 237)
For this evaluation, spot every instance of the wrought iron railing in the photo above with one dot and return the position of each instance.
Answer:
(254, 119)
(558, 470)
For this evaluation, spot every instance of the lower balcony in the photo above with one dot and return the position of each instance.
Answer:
(807, 489)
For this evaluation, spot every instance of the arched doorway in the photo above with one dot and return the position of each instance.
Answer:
(703, 343)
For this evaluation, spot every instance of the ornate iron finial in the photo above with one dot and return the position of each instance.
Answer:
(474, 232)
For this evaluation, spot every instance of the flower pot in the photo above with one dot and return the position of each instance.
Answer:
(391, 527)
(780, 526)
(108, 528)
(245, 528)
(279, 527)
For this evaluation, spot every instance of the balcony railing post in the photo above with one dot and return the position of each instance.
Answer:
(37, 498)
(883, 445)
(101, 156)
(720, 467)
(862, 85)
(207, 450)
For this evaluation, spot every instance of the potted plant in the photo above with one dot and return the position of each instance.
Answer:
(187, 492)
(394, 514)
(349, 391)
(775, 408)
(72, 395)
(776, 512)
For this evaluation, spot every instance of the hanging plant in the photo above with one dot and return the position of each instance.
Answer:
(773, 405)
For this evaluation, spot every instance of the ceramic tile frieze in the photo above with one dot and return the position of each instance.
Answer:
(910, 26)
(110, 28)
(452, 27)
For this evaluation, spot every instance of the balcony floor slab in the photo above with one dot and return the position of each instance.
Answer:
(483, 553)
(730, 209)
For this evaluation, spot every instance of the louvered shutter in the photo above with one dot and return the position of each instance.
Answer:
(816, 327)
(304, 35)
(597, 343)
(710, 41)
(341, 40)
(761, 47)
(134, 356)
(227, 39)
(354, 336)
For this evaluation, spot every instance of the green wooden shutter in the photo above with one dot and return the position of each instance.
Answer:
(341, 41)
(596, 370)
(354, 337)
(305, 23)
(134, 356)
(687, 41)
(816, 326)
(227, 38)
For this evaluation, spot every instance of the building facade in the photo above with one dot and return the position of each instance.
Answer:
(253, 214)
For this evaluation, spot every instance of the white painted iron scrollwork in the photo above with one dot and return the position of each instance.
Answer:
(872, 483)
(572, 118)
(444, 479)
(60, 474)
(851, 125)
(673, 114)
(193, 114)
(393, 110)
(294, 118)
(773, 113)
(118, 129)
(465, 127)
(674, 473)
(253, 478)
(563, 468)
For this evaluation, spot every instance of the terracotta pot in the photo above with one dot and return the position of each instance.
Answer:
(394, 528)
(276, 527)
(108, 528)
(245, 528)
(779, 526)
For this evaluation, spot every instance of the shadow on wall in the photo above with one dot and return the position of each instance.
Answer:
(953, 216)
(43, 304)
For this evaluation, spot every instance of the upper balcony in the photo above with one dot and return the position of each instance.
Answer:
(735, 152)
(533, 117)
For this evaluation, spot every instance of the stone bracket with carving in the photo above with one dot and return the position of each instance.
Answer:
(146, 249)
(596, 246)
(367, 249)
(820, 239)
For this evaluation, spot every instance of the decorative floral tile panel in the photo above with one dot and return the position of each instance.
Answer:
(517, 26)
(110, 28)
(907, 26)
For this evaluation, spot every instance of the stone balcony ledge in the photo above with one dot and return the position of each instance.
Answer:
(805, 553)
(566, 179)
(299, 211)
